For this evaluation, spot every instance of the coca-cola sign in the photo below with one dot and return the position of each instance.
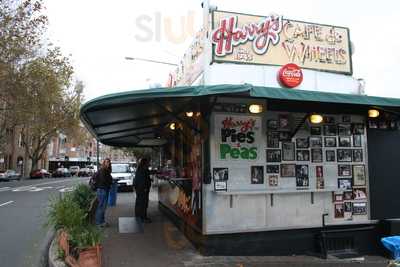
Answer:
(275, 40)
(290, 75)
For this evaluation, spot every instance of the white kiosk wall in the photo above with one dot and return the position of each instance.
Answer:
(256, 206)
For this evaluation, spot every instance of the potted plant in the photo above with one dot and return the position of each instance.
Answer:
(87, 240)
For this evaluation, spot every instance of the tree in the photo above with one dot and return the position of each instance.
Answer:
(47, 105)
(22, 25)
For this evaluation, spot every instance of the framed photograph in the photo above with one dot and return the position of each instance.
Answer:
(344, 155)
(272, 124)
(360, 193)
(383, 124)
(288, 151)
(346, 118)
(329, 119)
(344, 184)
(344, 141)
(302, 143)
(393, 125)
(284, 123)
(359, 178)
(220, 174)
(330, 141)
(272, 168)
(285, 136)
(257, 174)
(357, 140)
(348, 195)
(273, 180)
(330, 155)
(273, 155)
(330, 130)
(337, 197)
(288, 170)
(344, 129)
(358, 128)
(372, 124)
(339, 210)
(357, 155)
(315, 141)
(359, 208)
(315, 130)
(348, 207)
(319, 171)
(344, 170)
(316, 155)
(273, 139)
(220, 186)
(302, 179)
(320, 183)
(303, 155)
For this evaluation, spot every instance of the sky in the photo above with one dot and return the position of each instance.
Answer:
(98, 35)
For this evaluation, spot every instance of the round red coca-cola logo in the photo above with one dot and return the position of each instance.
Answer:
(290, 75)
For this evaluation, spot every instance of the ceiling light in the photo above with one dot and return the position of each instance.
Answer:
(316, 118)
(189, 114)
(255, 108)
(373, 113)
(172, 126)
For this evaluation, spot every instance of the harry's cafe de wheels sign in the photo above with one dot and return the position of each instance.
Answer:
(272, 40)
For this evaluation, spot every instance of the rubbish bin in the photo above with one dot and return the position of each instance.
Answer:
(112, 196)
(392, 243)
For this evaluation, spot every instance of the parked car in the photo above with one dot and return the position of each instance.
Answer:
(62, 172)
(9, 175)
(84, 172)
(92, 168)
(122, 174)
(39, 173)
(74, 170)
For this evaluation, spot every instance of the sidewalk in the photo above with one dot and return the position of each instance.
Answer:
(162, 244)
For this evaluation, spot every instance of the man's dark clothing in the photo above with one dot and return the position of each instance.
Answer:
(142, 187)
(104, 179)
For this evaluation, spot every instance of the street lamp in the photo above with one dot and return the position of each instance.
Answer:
(151, 60)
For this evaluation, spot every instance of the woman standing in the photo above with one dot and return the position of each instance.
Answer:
(103, 184)
(142, 184)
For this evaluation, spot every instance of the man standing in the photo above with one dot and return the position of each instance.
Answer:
(142, 186)
(103, 184)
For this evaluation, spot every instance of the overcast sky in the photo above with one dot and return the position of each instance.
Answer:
(99, 34)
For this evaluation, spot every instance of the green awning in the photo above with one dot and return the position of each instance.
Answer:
(134, 118)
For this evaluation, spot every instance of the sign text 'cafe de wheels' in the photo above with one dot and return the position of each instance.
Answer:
(267, 144)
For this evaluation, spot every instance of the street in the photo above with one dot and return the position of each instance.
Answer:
(23, 206)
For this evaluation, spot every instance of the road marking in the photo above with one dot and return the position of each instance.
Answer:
(67, 189)
(4, 188)
(59, 187)
(6, 203)
(23, 188)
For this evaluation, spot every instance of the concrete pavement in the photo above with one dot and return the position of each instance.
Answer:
(23, 207)
(162, 244)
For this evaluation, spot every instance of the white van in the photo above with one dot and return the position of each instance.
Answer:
(122, 173)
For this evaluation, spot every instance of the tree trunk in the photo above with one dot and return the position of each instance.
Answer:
(34, 163)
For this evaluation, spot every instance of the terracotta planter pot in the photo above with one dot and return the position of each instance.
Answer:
(63, 242)
(90, 257)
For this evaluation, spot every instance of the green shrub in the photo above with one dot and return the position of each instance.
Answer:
(83, 195)
(85, 237)
(65, 213)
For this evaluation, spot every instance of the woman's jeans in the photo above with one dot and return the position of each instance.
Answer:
(102, 197)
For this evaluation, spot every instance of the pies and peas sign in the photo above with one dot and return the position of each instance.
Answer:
(237, 137)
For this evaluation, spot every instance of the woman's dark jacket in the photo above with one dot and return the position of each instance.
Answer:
(142, 179)
(104, 179)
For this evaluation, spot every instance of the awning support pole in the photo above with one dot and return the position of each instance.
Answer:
(97, 154)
